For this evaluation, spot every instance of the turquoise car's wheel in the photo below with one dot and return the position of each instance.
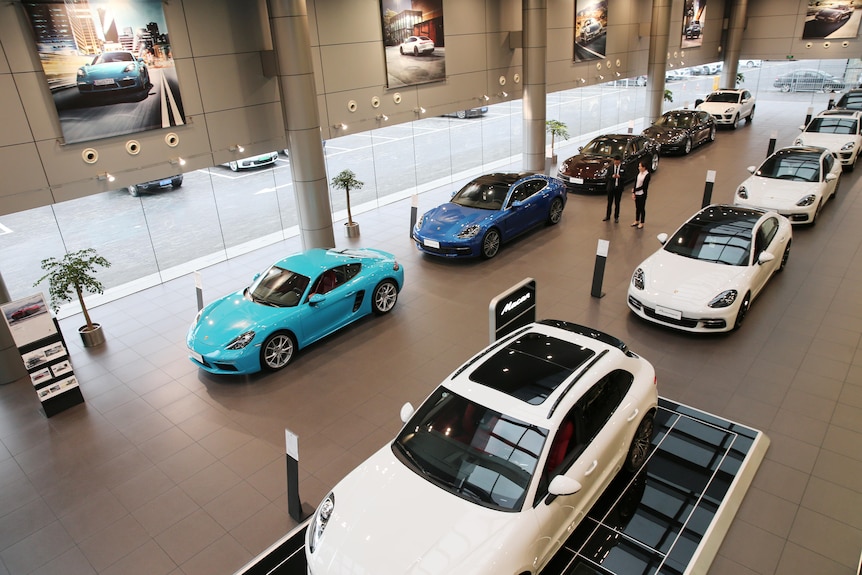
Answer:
(385, 296)
(277, 351)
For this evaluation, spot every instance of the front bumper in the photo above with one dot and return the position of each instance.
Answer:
(717, 320)
(227, 362)
(584, 185)
(466, 249)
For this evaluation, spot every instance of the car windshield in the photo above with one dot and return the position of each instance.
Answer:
(851, 101)
(606, 147)
(832, 125)
(113, 57)
(674, 120)
(725, 241)
(476, 453)
(723, 97)
(483, 193)
(278, 287)
(799, 167)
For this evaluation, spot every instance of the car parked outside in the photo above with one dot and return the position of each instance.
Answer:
(729, 106)
(681, 130)
(705, 276)
(293, 303)
(850, 100)
(113, 72)
(838, 130)
(416, 45)
(795, 182)
(588, 171)
(253, 161)
(498, 465)
(489, 211)
(469, 113)
(808, 81)
(171, 183)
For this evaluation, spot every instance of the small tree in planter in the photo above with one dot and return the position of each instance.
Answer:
(556, 129)
(74, 274)
(346, 180)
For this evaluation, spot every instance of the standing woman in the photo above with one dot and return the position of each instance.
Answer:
(639, 195)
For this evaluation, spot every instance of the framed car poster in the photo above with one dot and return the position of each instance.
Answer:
(102, 58)
(693, 21)
(28, 319)
(591, 26)
(413, 41)
(832, 20)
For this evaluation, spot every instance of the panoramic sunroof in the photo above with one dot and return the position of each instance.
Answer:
(531, 367)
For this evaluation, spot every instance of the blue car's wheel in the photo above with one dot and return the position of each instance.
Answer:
(555, 213)
(384, 297)
(490, 244)
(277, 351)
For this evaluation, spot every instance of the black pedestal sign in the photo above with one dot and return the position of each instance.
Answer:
(514, 308)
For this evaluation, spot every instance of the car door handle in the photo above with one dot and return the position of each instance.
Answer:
(633, 415)
(591, 468)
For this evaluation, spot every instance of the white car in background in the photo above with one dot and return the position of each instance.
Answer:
(705, 276)
(499, 464)
(795, 182)
(728, 107)
(253, 161)
(417, 45)
(838, 130)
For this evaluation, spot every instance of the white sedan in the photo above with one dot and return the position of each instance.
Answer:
(794, 181)
(705, 276)
(499, 464)
(728, 107)
(838, 130)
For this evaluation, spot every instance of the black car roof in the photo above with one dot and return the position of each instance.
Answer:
(743, 218)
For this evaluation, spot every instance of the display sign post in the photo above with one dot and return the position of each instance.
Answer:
(599, 268)
(808, 114)
(414, 211)
(707, 188)
(294, 505)
(772, 139)
(199, 289)
(514, 308)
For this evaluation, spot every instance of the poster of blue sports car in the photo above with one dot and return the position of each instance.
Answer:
(108, 64)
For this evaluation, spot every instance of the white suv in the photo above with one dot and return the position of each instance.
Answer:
(837, 130)
(728, 107)
(498, 465)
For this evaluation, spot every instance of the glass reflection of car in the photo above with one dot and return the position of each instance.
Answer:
(253, 161)
(489, 211)
(417, 45)
(172, 183)
(498, 464)
(470, 113)
(838, 130)
(705, 276)
(113, 72)
(682, 130)
(834, 14)
(808, 81)
(850, 100)
(294, 303)
(693, 30)
(729, 106)
(588, 171)
(794, 181)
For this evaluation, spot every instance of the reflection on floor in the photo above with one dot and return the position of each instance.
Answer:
(166, 470)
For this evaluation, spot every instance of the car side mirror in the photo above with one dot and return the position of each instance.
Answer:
(316, 298)
(831, 177)
(751, 169)
(517, 203)
(802, 127)
(765, 257)
(406, 412)
(257, 275)
(662, 238)
(562, 485)
(580, 148)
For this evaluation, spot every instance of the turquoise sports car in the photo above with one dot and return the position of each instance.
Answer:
(113, 73)
(295, 302)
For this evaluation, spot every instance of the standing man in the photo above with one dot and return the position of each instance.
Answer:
(615, 189)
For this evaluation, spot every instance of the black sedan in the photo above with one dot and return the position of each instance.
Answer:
(808, 81)
(588, 171)
(681, 130)
(172, 182)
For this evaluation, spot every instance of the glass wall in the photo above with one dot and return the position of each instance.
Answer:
(218, 213)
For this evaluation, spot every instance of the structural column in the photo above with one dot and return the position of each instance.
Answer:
(11, 366)
(730, 67)
(289, 25)
(657, 65)
(535, 17)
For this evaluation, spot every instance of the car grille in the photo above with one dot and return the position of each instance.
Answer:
(682, 322)
(446, 250)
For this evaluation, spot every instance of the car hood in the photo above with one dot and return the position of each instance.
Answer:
(585, 166)
(831, 141)
(106, 69)
(387, 519)
(228, 317)
(685, 283)
(449, 219)
(718, 108)
(663, 135)
(778, 194)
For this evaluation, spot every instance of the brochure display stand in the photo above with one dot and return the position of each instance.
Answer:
(44, 353)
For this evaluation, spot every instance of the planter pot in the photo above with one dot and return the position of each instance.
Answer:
(352, 229)
(551, 165)
(92, 337)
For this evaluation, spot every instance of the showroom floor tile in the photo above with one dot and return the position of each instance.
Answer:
(168, 470)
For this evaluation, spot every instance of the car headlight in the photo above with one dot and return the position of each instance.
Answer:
(128, 68)
(678, 137)
(807, 200)
(420, 221)
(320, 520)
(724, 299)
(848, 146)
(638, 279)
(81, 73)
(742, 193)
(198, 317)
(603, 173)
(730, 110)
(469, 231)
(798, 142)
(241, 340)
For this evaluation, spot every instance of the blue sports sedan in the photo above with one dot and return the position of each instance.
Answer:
(297, 301)
(489, 211)
(113, 72)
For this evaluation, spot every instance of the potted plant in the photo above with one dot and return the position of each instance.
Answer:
(556, 129)
(346, 180)
(74, 274)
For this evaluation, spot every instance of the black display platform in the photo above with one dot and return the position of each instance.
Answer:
(670, 518)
